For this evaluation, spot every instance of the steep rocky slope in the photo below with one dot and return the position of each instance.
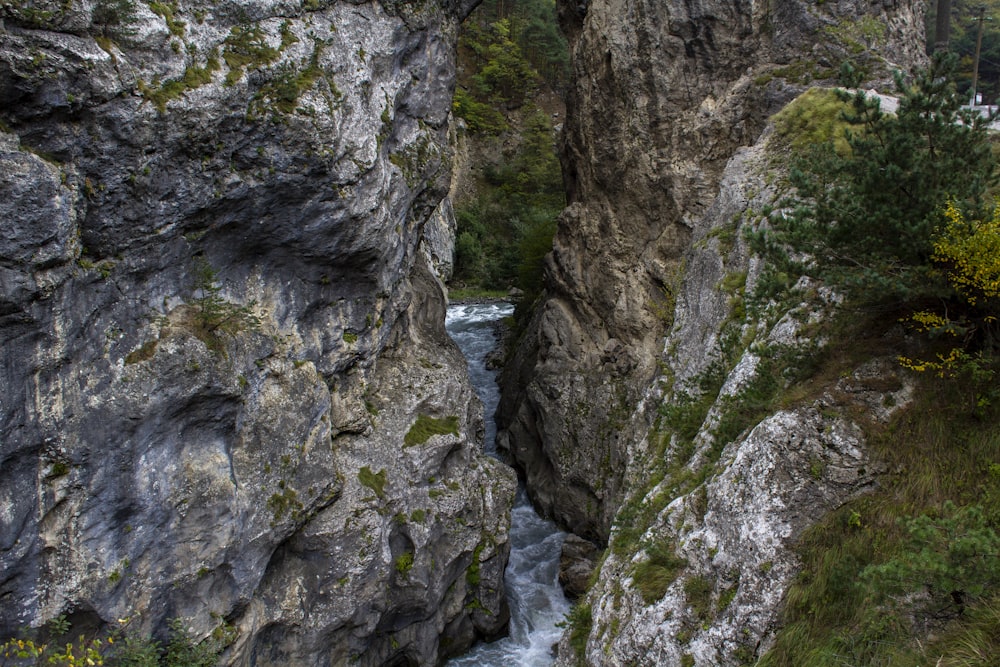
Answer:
(639, 401)
(733, 458)
(227, 394)
(663, 95)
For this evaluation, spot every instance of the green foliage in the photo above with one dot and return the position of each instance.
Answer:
(654, 575)
(480, 117)
(404, 563)
(967, 254)
(168, 11)
(114, 19)
(510, 48)
(533, 25)
(954, 556)
(246, 46)
(698, 593)
(194, 76)
(472, 573)
(284, 503)
(213, 315)
(425, 427)
(373, 480)
(133, 651)
(117, 648)
(580, 621)
(183, 651)
(920, 552)
(144, 352)
(816, 117)
(726, 597)
(505, 233)
(964, 32)
(505, 77)
(866, 219)
(281, 93)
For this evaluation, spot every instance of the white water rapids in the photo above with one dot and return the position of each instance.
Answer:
(537, 602)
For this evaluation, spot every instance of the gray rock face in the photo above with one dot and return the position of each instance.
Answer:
(667, 156)
(217, 326)
(731, 532)
(663, 94)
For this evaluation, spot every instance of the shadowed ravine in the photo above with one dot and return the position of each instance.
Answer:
(537, 602)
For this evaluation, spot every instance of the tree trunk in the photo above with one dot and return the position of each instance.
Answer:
(942, 25)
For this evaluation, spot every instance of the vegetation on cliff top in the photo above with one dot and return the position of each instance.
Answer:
(899, 222)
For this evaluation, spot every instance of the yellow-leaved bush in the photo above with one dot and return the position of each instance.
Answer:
(970, 251)
(967, 254)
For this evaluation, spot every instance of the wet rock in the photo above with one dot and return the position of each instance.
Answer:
(576, 565)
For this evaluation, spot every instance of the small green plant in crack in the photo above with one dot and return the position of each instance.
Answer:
(212, 315)
(579, 622)
(142, 353)
(284, 503)
(288, 83)
(59, 469)
(653, 576)
(472, 575)
(194, 77)
(728, 594)
(246, 46)
(698, 591)
(404, 563)
(167, 11)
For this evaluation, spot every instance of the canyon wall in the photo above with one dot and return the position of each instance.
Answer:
(663, 95)
(227, 396)
(625, 401)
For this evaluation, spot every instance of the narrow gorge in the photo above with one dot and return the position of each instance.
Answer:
(231, 413)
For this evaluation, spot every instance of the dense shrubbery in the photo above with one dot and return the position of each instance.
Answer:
(504, 234)
(866, 217)
(115, 648)
(512, 52)
(895, 217)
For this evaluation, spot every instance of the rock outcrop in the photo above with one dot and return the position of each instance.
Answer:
(625, 400)
(702, 553)
(663, 94)
(227, 394)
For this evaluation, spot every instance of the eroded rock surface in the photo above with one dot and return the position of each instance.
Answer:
(623, 401)
(663, 95)
(702, 552)
(218, 326)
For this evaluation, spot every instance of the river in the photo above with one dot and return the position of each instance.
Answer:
(537, 603)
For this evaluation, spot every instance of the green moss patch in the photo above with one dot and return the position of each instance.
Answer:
(425, 427)
(373, 480)
(814, 118)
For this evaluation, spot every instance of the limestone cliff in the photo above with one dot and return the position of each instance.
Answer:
(663, 94)
(630, 400)
(227, 395)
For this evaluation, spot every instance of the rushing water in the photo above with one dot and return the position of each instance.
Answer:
(537, 602)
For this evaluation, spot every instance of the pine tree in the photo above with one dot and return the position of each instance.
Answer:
(867, 217)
